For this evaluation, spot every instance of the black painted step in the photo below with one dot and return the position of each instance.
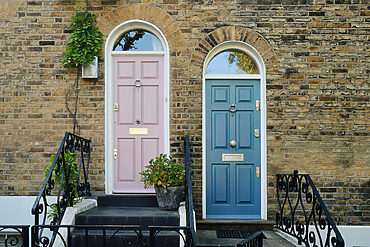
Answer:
(142, 216)
(121, 238)
(257, 225)
(144, 200)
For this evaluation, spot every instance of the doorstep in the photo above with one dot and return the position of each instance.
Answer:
(214, 224)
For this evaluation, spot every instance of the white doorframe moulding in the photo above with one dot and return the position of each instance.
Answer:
(253, 53)
(112, 37)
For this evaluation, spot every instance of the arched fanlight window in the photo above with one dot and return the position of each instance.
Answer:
(137, 40)
(232, 62)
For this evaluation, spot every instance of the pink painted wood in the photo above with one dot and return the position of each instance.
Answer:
(138, 90)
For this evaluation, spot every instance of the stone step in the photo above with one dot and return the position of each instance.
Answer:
(139, 200)
(216, 224)
(142, 216)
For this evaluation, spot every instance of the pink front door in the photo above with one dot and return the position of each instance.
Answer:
(138, 118)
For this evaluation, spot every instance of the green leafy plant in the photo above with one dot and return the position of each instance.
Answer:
(85, 41)
(163, 171)
(57, 175)
(83, 45)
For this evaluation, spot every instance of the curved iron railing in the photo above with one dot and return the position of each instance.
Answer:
(302, 212)
(80, 149)
(17, 236)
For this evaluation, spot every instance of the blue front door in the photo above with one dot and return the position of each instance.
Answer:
(233, 149)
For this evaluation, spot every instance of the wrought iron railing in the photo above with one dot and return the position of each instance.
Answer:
(86, 235)
(189, 195)
(302, 212)
(68, 190)
(14, 235)
(254, 240)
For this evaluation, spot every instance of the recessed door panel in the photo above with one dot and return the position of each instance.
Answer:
(150, 69)
(220, 124)
(220, 94)
(244, 125)
(233, 152)
(126, 69)
(244, 94)
(138, 118)
(243, 183)
(221, 183)
(127, 155)
(126, 104)
(150, 105)
(149, 149)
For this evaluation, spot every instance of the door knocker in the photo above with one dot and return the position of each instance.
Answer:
(138, 83)
(232, 108)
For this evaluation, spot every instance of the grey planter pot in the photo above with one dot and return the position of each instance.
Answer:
(171, 199)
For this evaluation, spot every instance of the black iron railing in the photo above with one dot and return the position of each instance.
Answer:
(14, 235)
(86, 235)
(68, 189)
(189, 195)
(254, 240)
(302, 212)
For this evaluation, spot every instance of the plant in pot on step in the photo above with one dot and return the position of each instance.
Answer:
(168, 179)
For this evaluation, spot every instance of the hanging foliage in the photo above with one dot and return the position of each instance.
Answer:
(85, 41)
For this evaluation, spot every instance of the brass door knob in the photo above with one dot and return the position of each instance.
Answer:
(233, 143)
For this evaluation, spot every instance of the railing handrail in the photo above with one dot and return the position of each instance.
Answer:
(48, 178)
(189, 192)
(294, 183)
(253, 237)
(70, 143)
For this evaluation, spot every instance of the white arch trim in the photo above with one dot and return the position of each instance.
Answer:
(253, 53)
(109, 53)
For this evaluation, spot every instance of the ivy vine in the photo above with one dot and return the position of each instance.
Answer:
(83, 45)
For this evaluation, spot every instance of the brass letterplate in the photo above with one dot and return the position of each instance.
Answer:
(138, 131)
(233, 157)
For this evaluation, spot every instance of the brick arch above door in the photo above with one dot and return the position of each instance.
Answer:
(225, 34)
(154, 15)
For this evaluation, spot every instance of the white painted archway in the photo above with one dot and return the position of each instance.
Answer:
(112, 37)
(253, 53)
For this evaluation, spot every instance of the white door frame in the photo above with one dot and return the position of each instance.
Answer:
(252, 52)
(109, 53)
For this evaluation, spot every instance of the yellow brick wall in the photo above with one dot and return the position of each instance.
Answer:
(316, 54)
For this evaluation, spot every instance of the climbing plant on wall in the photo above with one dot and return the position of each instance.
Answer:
(83, 45)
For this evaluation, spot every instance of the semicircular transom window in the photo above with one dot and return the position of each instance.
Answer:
(232, 62)
(138, 40)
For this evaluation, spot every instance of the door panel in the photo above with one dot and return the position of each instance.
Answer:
(233, 190)
(220, 134)
(221, 183)
(244, 129)
(139, 118)
(244, 189)
(126, 149)
(126, 96)
(150, 105)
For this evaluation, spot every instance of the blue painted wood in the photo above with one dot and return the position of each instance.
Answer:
(221, 183)
(233, 190)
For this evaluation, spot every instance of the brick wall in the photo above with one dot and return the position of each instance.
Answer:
(316, 55)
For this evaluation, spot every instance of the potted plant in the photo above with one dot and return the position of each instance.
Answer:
(168, 179)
